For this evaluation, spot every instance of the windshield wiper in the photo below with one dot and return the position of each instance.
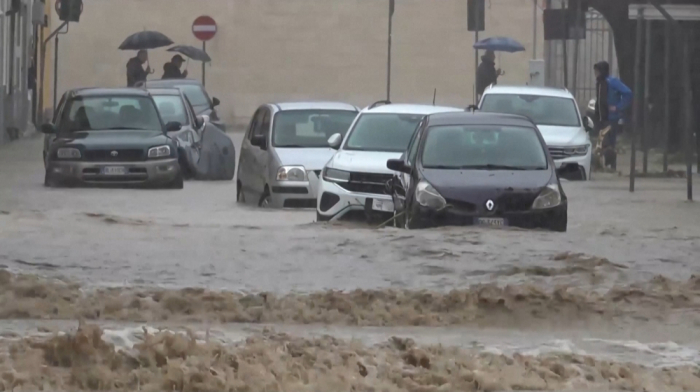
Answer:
(121, 129)
(446, 167)
(495, 167)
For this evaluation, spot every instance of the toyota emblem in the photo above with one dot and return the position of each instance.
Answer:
(114, 153)
(490, 205)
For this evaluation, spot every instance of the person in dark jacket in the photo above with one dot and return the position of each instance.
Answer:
(134, 69)
(486, 74)
(613, 98)
(171, 70)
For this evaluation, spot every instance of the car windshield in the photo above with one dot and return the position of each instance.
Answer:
(552, 111)
(196, 94)
(110, 113)
(171, 108)
(309, 128)
(483, 148)
(383, 132)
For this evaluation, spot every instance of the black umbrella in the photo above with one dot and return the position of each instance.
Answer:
(191, 52)
(145, 40)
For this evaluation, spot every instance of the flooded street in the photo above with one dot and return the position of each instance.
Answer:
(607, 305)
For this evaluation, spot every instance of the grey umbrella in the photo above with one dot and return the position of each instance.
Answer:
(191, 52)
(145, 40)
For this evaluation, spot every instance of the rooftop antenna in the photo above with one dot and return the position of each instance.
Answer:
(434, 95)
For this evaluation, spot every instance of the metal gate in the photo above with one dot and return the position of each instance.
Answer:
(580, 57)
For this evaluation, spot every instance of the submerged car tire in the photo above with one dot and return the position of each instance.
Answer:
(265, 199)
(50, 182)
(240, 196)
(178, 183)
(559, 224)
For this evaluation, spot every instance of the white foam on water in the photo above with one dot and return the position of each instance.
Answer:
(660, 354)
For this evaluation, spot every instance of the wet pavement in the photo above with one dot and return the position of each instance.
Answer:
(200, 237)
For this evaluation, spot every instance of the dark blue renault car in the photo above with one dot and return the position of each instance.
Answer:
(477, 169)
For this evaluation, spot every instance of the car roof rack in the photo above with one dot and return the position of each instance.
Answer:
(379, 103)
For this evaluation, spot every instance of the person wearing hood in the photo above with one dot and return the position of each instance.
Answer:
(486, 74)
(613, 98)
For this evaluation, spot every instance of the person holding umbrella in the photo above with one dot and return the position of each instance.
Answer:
(141, 41)
(487, 74)
(134, 69)
(171, 70)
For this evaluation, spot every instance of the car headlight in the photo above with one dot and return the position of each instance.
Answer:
(291, 173)
(427, 196)
(68, 153)
(333, 175)
(578, 150)
(548, 198)
(159, 152)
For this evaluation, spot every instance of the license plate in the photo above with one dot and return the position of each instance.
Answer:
(114, 170)
(383, 205)
(497, 222)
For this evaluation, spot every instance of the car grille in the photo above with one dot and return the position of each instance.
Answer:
(367, 183)
(131, 155)
(515, 202)
(561, 152)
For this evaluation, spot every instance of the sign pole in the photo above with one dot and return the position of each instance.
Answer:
(477, 19)
(388, 61)
(204, 70)
(204, 28)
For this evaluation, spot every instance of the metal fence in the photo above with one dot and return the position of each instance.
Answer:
(572, 67)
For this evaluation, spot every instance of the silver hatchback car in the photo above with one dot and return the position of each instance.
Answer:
(284, 151)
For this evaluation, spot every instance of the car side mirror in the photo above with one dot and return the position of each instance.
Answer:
(398, 165)
(173, 126)
(215, 102)
(259, 141)
(48, 128)
(201, 121)
(335, 140)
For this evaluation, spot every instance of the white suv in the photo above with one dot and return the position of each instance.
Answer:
(558, 118)
(355, 178)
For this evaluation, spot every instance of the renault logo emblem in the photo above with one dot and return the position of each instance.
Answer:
(114, 153)
(490, 205)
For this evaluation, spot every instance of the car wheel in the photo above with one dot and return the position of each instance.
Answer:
(240, 196)
(322, 218)
(559, 223)
(50, 182)
(178, 183)
(265, 199)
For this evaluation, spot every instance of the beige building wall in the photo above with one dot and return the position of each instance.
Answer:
(279, 50)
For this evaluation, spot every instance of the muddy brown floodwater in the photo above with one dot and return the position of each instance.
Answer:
(118, 289)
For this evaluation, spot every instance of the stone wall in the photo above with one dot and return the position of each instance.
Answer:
(277, 50)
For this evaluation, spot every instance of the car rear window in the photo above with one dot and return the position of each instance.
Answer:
(195, 94)
(551, 111)
(383, 132)
(110, 113)
(309, 128)
(483, 147)
(171, 108)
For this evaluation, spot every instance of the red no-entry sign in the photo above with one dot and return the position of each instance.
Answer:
(204, 28)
